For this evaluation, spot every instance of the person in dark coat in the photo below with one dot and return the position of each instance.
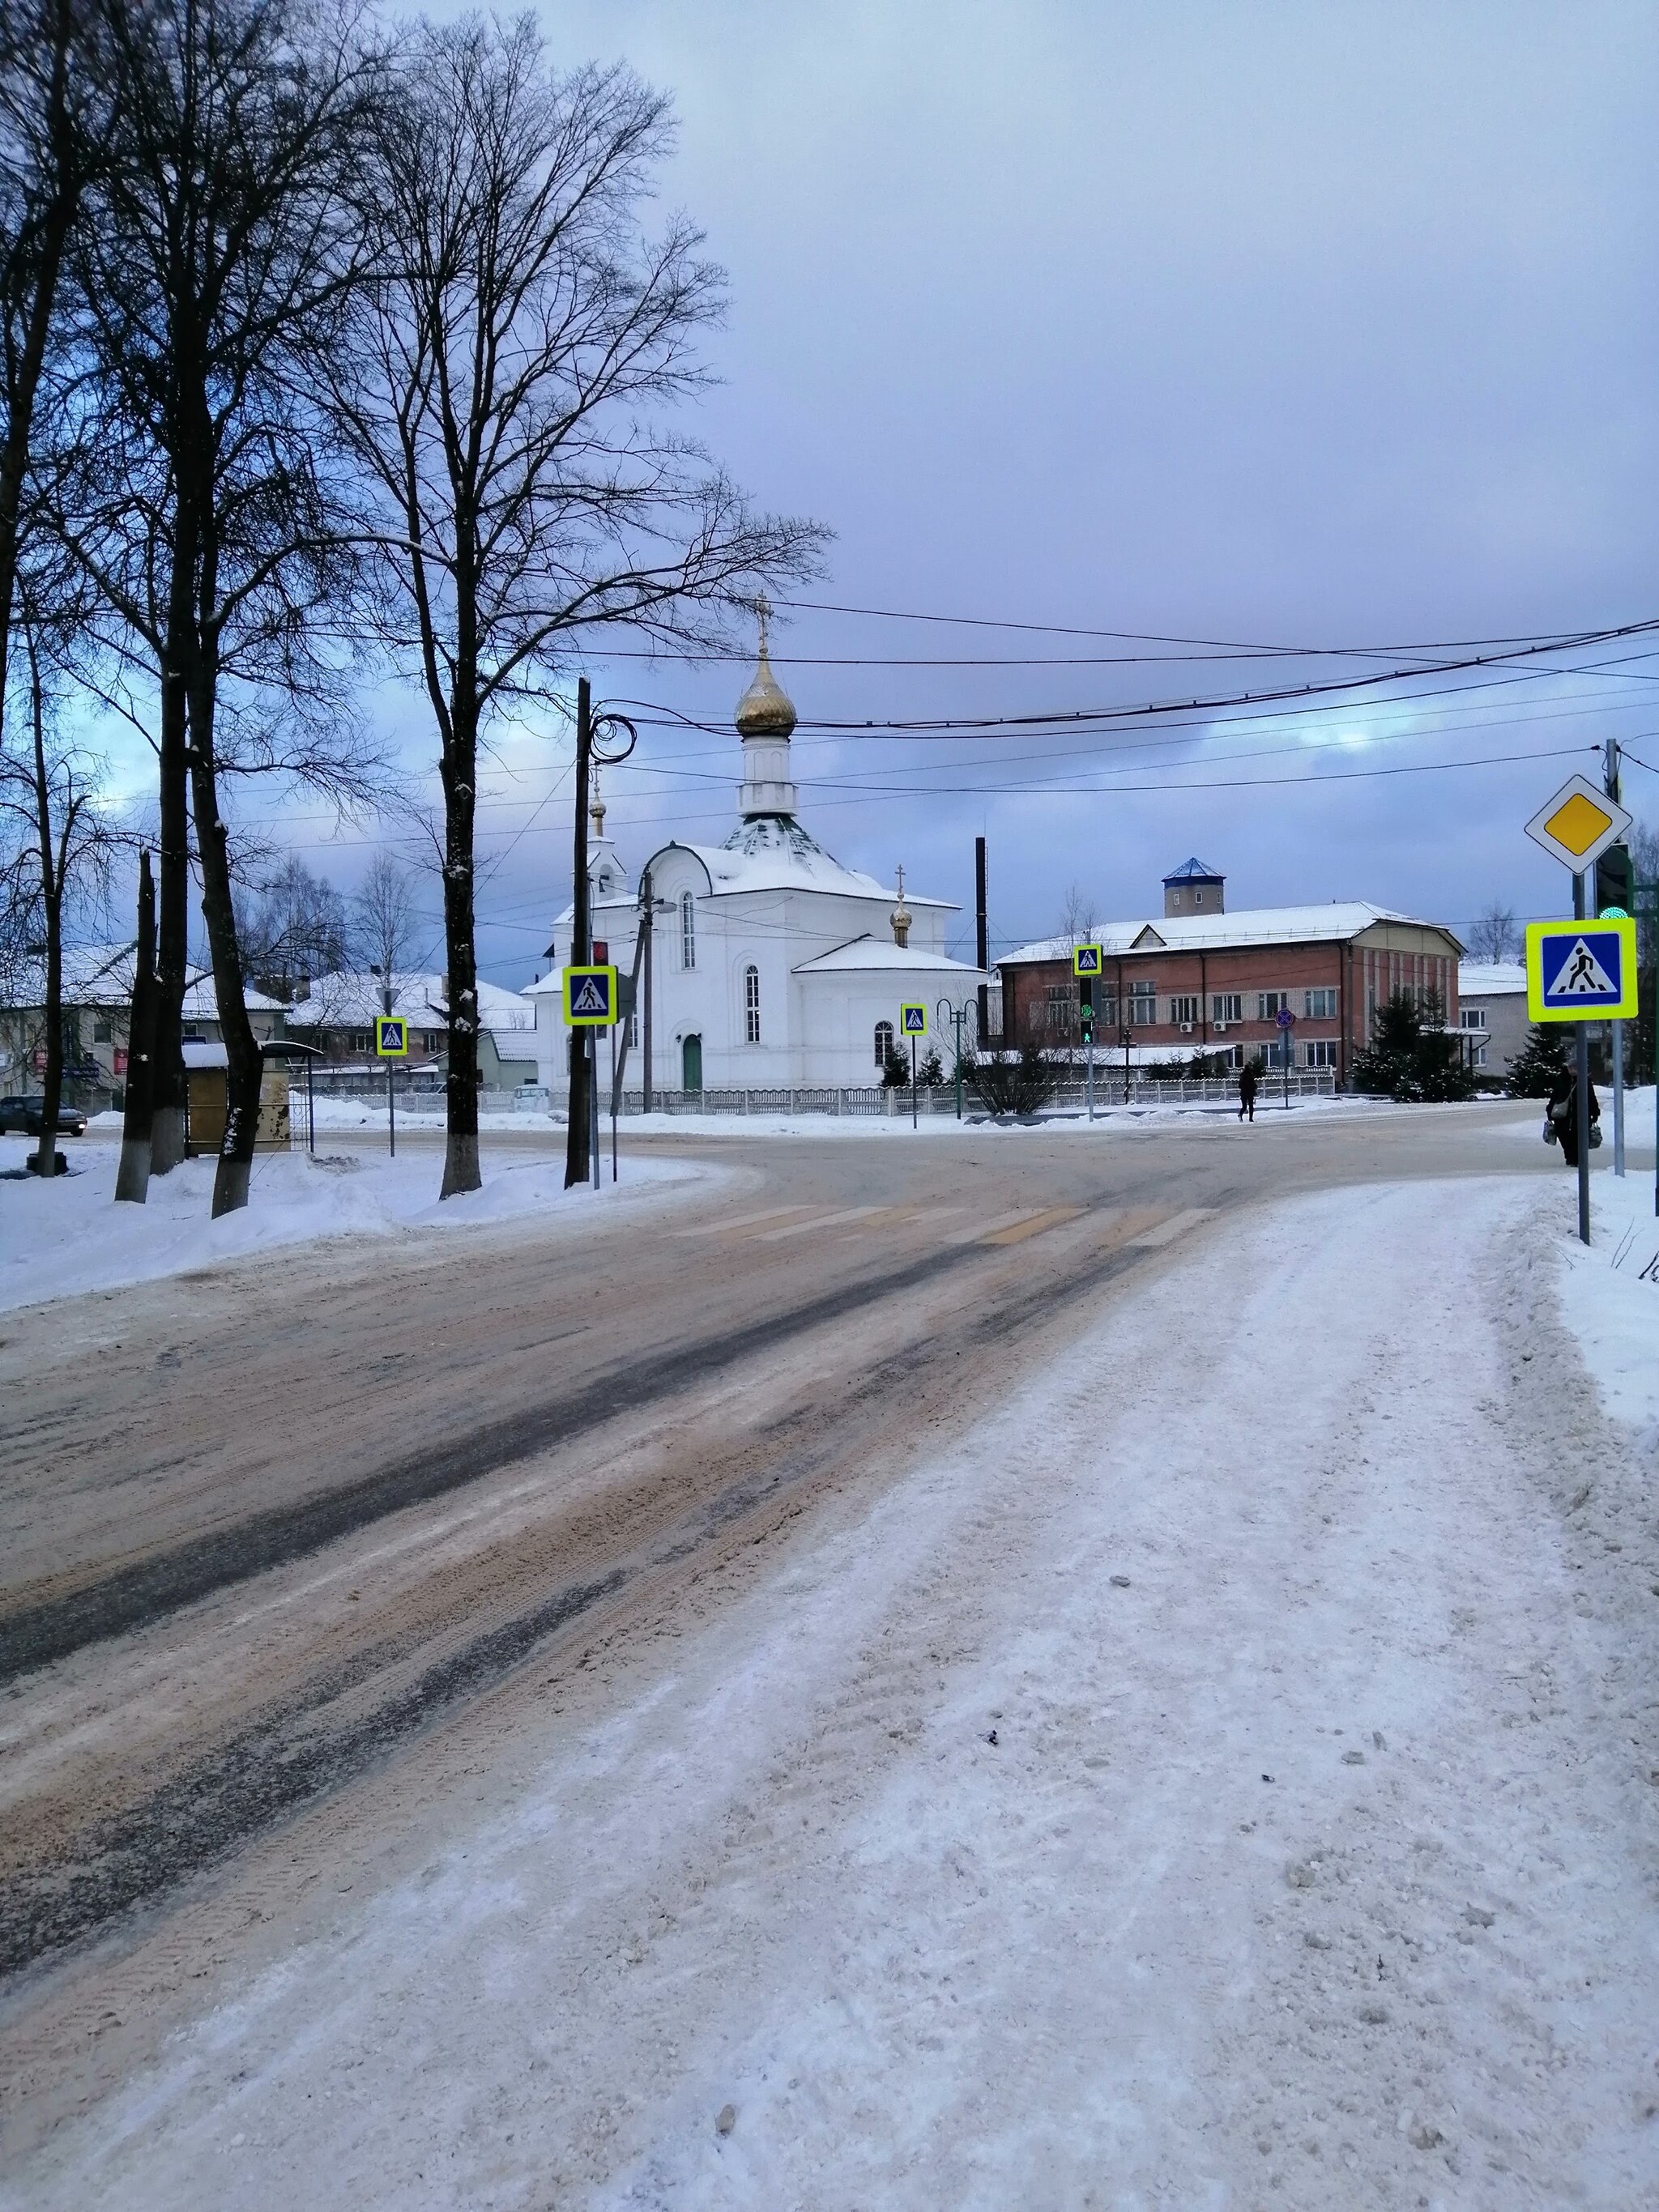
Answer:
(1247, 1092)
(1563, 1112)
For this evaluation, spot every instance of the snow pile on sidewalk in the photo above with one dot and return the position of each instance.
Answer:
(63, 1237)
(1610, 1294)
(1246, 1808)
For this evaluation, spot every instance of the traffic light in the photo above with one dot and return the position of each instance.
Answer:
(1085, 1007)
(1615, 881)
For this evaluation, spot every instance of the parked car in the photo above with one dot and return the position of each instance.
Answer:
(28, 1114)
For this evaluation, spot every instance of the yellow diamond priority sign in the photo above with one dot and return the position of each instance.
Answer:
(1577, 825)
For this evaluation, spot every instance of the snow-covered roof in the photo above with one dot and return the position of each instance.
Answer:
(865, 955)
(350, 1000)
(102, 975)
(1209, 932)
(1489, 979)
(773, 853)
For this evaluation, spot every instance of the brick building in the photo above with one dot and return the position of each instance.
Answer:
(1198, 979)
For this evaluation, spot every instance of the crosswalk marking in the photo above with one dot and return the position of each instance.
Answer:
(1019, 1230)
(740, 1221)
(821, 1221)
(982, 1230)
(1167, 1232)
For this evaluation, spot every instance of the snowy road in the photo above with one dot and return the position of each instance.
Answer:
(1309, 1595)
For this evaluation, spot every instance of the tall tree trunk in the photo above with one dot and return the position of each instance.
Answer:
(462, 1172)
(245, 1069)
(173, 927)
(51, 894)
(132, 1176)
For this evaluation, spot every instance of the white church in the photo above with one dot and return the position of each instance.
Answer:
(771, 964)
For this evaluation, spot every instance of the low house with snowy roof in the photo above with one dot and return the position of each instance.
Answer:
(1197, 979)
(771, 964)
(97, 1008)
(1492, 1012)
(338, 1017)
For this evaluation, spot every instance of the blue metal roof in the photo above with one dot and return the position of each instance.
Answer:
(1195, 871)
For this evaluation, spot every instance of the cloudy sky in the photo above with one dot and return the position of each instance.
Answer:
(1292, 325)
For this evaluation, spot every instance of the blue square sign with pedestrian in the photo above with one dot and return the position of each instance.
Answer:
(1581, 971)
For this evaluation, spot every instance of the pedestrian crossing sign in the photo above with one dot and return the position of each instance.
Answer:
(590, 997)
(1581, 971)
(1085, 960)
(390, 1036)
(913, 1021)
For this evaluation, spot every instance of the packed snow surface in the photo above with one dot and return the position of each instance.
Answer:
(1225, 1777)
(68, 1235)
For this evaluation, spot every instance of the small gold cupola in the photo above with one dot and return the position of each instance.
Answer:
(764, 719)
(901, 916)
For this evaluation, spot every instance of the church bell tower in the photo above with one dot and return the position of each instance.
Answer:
(765, 718)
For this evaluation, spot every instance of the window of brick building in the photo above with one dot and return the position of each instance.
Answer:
(1321, 1052)
(1269, 1004)
(1062, 1007)
(1320, 1005)
(1226, 1005)
(1143, 1006)
(1184, 1010)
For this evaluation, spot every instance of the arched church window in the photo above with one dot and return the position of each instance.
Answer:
(687, 930)
(751, 1005)
(883, 1043)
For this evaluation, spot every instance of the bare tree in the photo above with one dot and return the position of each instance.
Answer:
(54, 118)
(52, 790)
(520, 333)
(296, 927)
(224, 248)
(1495, 937)
(1644, 843)
(385, 919)
(1079, 917)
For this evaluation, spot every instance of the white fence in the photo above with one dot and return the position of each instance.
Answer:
(1070, 1096)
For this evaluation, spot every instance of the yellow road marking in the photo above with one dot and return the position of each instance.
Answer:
(1021, 1230)
(1176, 1225)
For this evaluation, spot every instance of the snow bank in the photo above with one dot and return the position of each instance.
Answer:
(1108, 1118)
(60, 1238)
(1609, 1294)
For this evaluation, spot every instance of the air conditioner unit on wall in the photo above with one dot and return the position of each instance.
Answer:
(1220, 1027)
(1186, 1028)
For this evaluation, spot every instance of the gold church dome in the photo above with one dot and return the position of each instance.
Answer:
(765, 709)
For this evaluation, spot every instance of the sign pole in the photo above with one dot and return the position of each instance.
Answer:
(593, 1105)
(391, 1107)
(1092, 1071)
(1581, 1078)
(1619, 1098)
(913, 1081)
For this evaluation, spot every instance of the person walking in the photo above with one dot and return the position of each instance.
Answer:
(1247, 1092)
(1562, 1115)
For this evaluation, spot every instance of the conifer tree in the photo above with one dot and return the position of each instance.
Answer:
(1541, 1061)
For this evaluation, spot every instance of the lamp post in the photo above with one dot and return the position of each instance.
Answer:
(958, 1017)
(607, 738)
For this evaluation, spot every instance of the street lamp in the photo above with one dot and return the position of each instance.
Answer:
(958, 1017)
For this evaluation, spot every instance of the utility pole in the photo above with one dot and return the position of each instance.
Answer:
(576, 1154)
(981, 943)
(1581, 1033)
(1610, 785)
(648, 915)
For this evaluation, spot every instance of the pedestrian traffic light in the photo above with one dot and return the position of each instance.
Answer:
(1614, 879)
(1085, 1007)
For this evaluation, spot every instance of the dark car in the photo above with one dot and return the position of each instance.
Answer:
(28, 1114)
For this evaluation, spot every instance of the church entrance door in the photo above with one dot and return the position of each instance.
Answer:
(691, 1064)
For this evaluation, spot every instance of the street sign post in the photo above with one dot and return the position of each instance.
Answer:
(391, 1045)
(913, 1023)
(1087, 964)
(1286, 1021)
(1576, 827)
